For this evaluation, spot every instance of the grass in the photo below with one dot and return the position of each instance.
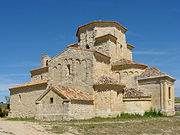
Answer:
(177, 100)
(177, 114)
(22, 119)
(143, 125)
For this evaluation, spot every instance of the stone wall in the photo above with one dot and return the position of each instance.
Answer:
(22, 101)
(162, 91)
(108, 101)
(81, 110)
(127, 76)
(138, 106)
(52, 111)
(74, 69)
(119, 50)
(39, 75)
(152, 88)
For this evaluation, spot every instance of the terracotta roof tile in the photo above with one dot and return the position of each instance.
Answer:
(151, 71)
(105, 80)
(133, 93)
(124, 62)
(73, 94)
(130, 46)
(73, 45)
(33, 83)
(39, 69)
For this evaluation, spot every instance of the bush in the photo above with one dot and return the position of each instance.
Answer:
(127, 115)
(1, 113)
(153, 113)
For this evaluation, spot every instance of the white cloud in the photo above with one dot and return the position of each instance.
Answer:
(6, 86)
(150, 52)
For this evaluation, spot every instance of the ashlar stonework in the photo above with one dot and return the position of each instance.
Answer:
(94, 77)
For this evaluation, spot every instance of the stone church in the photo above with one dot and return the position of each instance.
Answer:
(94, 77)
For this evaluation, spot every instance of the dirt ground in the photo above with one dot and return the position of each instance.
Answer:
(145, 126)
(21, 128)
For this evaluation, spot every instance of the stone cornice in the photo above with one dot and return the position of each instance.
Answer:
(100, 22)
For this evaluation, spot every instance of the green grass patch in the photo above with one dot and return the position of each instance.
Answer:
(177, 100)
(177, 114)
(21, 119)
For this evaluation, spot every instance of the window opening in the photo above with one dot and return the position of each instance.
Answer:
(169, 92)
(69, 69)
(51, 100)
(87, 46)
(46, 62)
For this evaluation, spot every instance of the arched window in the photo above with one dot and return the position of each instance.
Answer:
(46, 62)
(169, 92)
(41, 77)
(69, 69)
(19, 97)
(87, 46)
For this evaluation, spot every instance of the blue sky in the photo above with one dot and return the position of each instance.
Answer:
(29, 28)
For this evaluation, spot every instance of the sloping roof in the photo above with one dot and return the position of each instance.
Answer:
(154, 73)
(29, 84)
(124, 62)
(133, 93)
(83, 49)
(130, 46)
(151, 71)
(68, 93)
(101, 22)
(73, 45)
(105, 80)
(105, 37)
(39, 69)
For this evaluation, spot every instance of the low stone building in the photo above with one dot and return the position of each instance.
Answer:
(94, 77)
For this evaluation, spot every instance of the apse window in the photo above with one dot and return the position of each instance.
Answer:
(51, 100)
(46, 62)
(19, 98)
(69, 69)
(87, 46)
(169, 92)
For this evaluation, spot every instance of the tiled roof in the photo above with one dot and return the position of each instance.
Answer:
(72, 94)
(151, 71)
(33, 83)
(106, 36)
(84, 49)
(73, 45)
(105, 80)
(124, 62)
(39, 69)
(133, 93)
(101, 22)
(68, 93)
(130, 46)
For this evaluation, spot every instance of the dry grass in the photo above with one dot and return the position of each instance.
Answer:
(159, 125)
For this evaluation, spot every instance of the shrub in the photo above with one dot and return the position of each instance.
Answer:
(1, 113)
(153, 113)
(127, 115)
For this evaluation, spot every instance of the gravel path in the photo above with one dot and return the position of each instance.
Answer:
(21, 128)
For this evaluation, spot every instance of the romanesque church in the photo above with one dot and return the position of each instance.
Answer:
(94, 77)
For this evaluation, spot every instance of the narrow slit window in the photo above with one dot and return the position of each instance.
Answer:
(169, 92)
(87, 46)
(69, 69)
(46, 62)
(19, 98)
(51, 100)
